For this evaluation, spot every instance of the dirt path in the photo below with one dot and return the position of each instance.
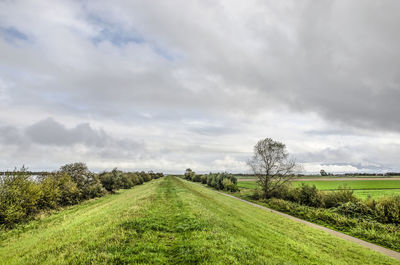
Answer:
(374, 247)
(330, 179)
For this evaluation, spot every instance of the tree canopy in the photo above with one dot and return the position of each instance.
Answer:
(271, 165)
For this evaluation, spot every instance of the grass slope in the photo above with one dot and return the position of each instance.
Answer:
(171, 221)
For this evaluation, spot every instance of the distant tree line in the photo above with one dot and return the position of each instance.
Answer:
(22, 196)
(324, 173)
(220, 181)
(373, 174)
(26, 172)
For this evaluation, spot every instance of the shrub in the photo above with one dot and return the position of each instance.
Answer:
(146, 177)
(50, 192)
(156, 175)
(256, 195)
(203, 179)
(78, 172)
(126, 181)
(152, 175)
(196, 178)
(94, 189)
(214, 181)
(285, 192)
(387, 210)
(69, 192)
(338, 197)
(217, 181)
(134, 178)
(356, 209)
(310, 196)
(111, 181)
(210, 179)
(140, 179)
(189, 174)
(229, 185)
(19, 196)
(88, 183)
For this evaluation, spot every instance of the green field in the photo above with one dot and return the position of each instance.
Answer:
(172, 221)
(362, 188)
(375, 193)
(354, 184)
(247, 184)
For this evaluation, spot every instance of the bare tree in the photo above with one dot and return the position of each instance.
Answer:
(271, 165)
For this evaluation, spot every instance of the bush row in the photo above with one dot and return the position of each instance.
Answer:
(311, 196)
(343, 201)
(116, 179)
(219, 181)
(22, 196)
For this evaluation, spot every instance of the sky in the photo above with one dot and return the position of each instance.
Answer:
(167, 85)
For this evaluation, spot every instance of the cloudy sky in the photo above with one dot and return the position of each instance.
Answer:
(166, 85)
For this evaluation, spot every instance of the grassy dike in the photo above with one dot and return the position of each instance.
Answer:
(172, 221)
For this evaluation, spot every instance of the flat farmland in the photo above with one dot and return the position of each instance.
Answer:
(362, 188)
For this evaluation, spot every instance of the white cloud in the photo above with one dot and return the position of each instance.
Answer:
(315, 168)
(229, 164)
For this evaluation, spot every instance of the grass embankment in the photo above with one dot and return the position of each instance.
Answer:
(362, 188)
(171, 221)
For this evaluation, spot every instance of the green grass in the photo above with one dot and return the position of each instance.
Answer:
(362, 188)
(172, 221)
(245, 177)
(316, 177)
(354, 184)
(364, 194)
(247, 184)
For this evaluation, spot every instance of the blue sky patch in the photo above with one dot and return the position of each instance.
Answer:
(116, 37)
(11, 34)
(120, 37)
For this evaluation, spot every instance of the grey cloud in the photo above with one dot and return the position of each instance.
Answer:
(48, 143)
(362, 167)
(50, 132)
(338, 59)
(369, 156)
(350, 68)
(210, 130)
(329, 132)
(219, 61)
(337, 156)
(10, 135)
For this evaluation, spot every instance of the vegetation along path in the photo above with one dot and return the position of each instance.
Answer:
(172, 221)
(369, 245)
